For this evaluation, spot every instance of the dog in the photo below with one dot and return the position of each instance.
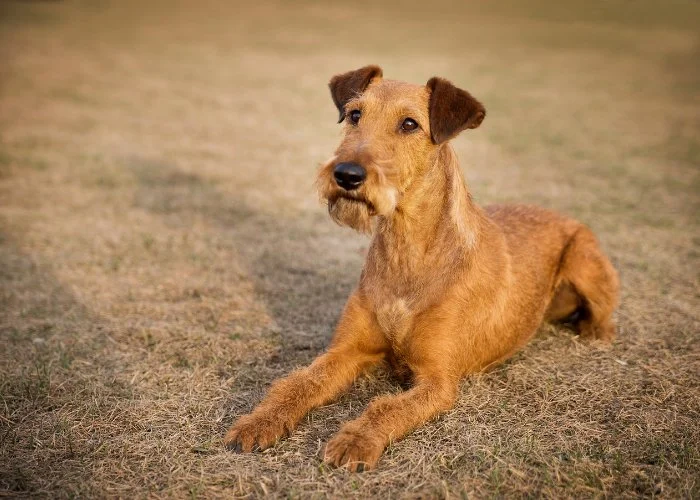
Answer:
(447, 289)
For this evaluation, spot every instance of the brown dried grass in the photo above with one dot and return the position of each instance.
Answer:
(163, 257)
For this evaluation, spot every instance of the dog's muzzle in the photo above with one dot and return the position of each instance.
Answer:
(349, 176)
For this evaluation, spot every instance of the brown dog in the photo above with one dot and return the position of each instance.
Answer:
(447, 289)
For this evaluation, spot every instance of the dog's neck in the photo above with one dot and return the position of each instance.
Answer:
(434, 222)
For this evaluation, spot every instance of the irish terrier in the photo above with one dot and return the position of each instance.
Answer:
(447, 289)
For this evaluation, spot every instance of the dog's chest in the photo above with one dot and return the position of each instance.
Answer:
(395, 318)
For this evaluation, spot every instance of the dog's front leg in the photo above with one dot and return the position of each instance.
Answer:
(356, 346)
(360, 443)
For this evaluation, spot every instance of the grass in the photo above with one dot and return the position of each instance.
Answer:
(163, 257)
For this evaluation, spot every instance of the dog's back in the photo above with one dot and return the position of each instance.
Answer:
(535, 239)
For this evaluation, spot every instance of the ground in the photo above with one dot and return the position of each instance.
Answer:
(164, 257)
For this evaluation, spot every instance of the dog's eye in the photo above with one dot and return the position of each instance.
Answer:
(409, 125)
(355, 116)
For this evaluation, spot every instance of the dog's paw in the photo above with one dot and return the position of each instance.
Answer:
(353, 450)
(254, 433)
(602, 332)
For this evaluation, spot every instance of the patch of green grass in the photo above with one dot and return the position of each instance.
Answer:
(5, 158)
(181, 360)
(8, 159)
(73, 96)
(17, 14)
(35, 381)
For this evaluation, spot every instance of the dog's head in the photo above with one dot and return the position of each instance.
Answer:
(393, 131)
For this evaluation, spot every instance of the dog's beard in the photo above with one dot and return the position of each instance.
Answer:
(352, 212)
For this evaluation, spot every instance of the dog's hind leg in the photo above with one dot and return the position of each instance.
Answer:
(566, 306)
(588, 290)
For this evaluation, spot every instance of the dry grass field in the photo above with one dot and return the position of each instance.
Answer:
(164, 257)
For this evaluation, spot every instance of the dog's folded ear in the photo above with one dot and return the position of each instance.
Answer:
(348, 85)
(451, 110)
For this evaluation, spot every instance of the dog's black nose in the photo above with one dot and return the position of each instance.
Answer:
(349, 175)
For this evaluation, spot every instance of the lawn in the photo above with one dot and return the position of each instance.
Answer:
(164, 256)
